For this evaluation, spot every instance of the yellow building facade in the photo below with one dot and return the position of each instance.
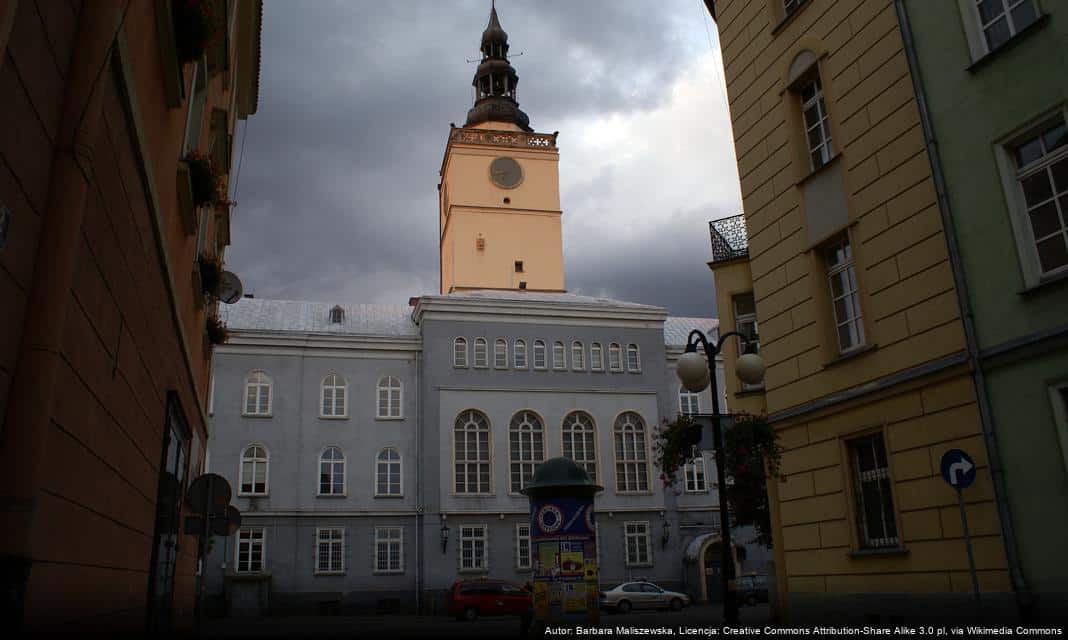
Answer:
(843, 267)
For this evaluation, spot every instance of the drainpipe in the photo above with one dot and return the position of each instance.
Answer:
(997, 472)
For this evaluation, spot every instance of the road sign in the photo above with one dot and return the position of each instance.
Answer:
(958, 469)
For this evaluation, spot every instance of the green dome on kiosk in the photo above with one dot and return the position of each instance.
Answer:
(560, 473)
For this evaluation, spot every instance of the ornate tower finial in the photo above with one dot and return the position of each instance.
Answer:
(495, 80)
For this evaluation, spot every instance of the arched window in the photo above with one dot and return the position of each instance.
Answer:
(334, 398)
(520, 354)
(389, 397)
(459, 352)
(615, 357)
(500, 353)
(254, 470)
(388, 473)
(632, 467)
(332, 472)
(257, 394)
(689, 402)
(539, 354)
(634, 360)
(526, 448)
(471, 449)
(596, 357)
(578, 356)
(481, 353)
(559, 356)
(579, 441)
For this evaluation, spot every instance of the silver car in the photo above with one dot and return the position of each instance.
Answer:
(642, 595)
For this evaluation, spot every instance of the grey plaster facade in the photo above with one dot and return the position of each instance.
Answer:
(296, 346)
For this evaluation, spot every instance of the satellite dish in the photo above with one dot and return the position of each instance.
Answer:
(229, 289)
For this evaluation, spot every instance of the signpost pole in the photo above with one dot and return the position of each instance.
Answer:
(971, 555)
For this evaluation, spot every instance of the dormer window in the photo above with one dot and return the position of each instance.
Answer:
(337, 315)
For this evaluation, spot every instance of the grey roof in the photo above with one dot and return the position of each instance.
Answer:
(677, 329)
(257, 314)
(541, 296)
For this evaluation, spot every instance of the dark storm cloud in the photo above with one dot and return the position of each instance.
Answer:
(337, 191)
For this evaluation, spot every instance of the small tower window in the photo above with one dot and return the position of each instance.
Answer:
(337, 315)
(519, 266)
(522, 284)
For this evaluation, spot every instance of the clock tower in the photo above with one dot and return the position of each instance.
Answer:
(499, 196)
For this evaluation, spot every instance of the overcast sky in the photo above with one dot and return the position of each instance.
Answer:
(337, 186)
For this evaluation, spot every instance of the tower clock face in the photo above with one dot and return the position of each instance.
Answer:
(506, 172)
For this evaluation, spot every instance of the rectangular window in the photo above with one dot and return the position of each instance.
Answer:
(539, 354)
(596, 357)
(845, 297)
(634, 361)
(522, 546)
(473, 548)
(876, 526)
(689, 402)
(559, 356)
(389, 550)
(519, 266)
(745, 323)
(789, 6)
(1042, 173)
(615, 357)
(578, 356)
(1000, 20)
(329, 550)
(817, 124)
(250, 546)
(500, 354)
(638, 544)
(694, 473)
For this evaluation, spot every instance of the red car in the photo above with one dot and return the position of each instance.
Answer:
(469, 599)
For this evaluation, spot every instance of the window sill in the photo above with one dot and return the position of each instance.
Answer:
(333, 417)
(459, 366)
(388, 496)
(695, 493)
(329, 573)
(868, 553)
(257, 415)
(253, 495)
(633, 493)
(788, 18)
(640, 565)
(331, 495)
(388, 573)
(822, 169)
(474, 570)
(634, 370)
(849, 355)
(983, 61)
(1044, 283)
(473, 495)
(389, 418)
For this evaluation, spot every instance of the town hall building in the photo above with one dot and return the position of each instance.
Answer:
(377, 453)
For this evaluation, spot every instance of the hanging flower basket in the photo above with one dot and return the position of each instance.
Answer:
(196, 24)
(217, 333)
(753, 457)
(205, 180)
(210, 273)
(674, 445)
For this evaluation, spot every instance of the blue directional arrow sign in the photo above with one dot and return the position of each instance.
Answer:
(958, 469)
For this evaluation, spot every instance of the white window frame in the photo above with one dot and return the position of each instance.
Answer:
(473, 533)
(695, 475)
(578, 356)
(477, 462)
(320, 461)
(327, 536)
(394, 389)
(523, 541)
(459, 353)
(574, 441)
(634, 365)
(526, 433)
(379, 463)
(388, 536)
(519, 353)
(539, 354)
(976, 28)
(500, 353)
(262, 383)
(742, 320)
(250, 534)
(851, 293)
(559, 355)
(339, 384)
(858, 479)
(596, 357)
(641, 530)
(265, 461)
(825, 147)
(615, 357)
(1058, 394)
(481, 349)
(631, 437)
(689, 402)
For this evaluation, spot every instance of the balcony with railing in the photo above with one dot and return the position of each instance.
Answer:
(729, 240)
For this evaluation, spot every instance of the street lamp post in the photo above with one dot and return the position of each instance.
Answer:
(696, 374)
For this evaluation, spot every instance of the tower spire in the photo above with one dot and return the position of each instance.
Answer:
(495, 80)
